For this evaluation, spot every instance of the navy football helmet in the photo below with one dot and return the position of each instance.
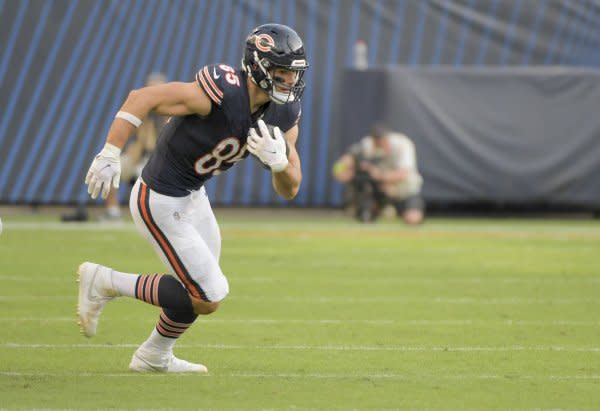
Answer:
(273, 46)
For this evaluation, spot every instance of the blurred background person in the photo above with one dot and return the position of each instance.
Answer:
(381, 170)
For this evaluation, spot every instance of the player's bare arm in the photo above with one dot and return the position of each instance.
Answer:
(287, 182)
(169, 99)
(270, 148)
(384, 176)
(395, 176)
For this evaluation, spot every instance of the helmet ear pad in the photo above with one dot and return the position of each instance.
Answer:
(258, 72)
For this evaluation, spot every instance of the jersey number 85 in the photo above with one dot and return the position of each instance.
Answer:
(227, 151)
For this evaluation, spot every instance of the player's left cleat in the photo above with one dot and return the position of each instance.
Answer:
(147, 360)
(95, 290)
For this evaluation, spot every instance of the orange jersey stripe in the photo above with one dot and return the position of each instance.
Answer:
(207, 89)
(212, 82)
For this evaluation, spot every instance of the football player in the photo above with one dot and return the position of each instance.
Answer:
(215, 121)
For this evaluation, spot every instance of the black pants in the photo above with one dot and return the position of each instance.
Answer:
(368, 199)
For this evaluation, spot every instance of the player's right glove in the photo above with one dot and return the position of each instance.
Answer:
(269, 147)
(104, 171)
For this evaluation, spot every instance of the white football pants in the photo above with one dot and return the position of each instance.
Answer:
(185, 234)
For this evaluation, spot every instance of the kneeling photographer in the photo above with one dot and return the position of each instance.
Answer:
(380, 170)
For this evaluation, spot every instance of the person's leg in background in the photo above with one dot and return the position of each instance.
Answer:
(78, 215)
(365, 198)
(411, 209)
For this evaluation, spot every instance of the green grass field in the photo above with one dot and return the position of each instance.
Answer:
(323, 314)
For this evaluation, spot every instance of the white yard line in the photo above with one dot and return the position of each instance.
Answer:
(354, 300)
(516, 228)
(484, 281)
(309, 376)
(57, 226)
(258, 321)
(359, 348)
(537, 280)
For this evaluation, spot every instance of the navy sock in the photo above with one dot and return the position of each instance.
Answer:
(164, 291)
(172, 324)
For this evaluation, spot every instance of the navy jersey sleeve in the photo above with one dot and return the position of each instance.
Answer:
(221, 84)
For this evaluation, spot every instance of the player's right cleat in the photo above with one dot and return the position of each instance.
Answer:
(147, 360)
(95, 290)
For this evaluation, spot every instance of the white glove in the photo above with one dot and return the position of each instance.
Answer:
(105, 169)
(269, 148)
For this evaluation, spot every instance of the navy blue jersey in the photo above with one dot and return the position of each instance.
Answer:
(191, 149)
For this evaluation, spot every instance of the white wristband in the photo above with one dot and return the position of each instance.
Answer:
(111, 148)
(129, 117)
(279, 167)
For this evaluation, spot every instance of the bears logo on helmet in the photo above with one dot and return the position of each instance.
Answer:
(264, 42)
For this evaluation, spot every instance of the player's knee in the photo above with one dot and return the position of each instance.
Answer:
(217, 289)
(202, 307)
(216, 294)
(206, 298)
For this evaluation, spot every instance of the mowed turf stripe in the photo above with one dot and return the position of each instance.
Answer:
(353, 300)
(344, 230)
(365, 348)
(305, 375)
(540, 281)
(254, 321)
(485, 226)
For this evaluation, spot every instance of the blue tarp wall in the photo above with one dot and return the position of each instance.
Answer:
(67, 65)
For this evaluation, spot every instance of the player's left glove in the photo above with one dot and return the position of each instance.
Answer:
(104, 171)
(269, 147)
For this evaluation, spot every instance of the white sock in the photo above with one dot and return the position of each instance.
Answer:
(124, 283)
(159, 343)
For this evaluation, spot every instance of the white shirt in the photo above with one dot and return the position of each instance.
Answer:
(402, 156)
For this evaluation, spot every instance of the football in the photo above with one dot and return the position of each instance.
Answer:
(270, 127)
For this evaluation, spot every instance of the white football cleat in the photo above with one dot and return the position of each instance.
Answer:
(95, 290)
(147, 360)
